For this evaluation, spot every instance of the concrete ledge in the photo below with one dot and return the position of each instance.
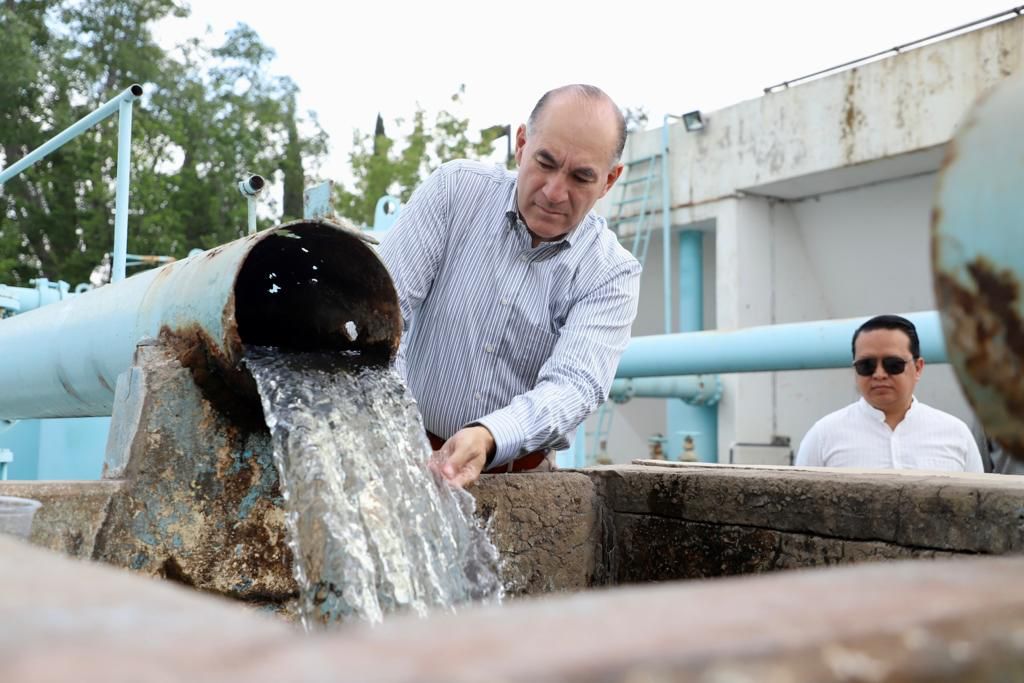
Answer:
(954, 620)
(72, 513)
(963, 513)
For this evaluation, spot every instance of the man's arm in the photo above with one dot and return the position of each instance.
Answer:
(576, 377)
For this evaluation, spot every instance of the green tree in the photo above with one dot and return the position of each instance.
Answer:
(208, 117)
(380, 166)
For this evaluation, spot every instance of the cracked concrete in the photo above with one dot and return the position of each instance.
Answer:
(545, 527)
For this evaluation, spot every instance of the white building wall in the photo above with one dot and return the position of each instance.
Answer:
(817, 203)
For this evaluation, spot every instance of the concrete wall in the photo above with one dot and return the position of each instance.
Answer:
(570, 531)
(817, 200)
(692, 521)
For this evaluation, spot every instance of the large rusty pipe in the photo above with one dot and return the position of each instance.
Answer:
(304, 286)
(978, 260)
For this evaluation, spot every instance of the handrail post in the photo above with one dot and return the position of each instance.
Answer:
(124, 157)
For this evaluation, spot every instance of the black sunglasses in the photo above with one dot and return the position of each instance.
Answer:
(893, 365)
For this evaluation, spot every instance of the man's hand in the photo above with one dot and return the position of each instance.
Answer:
(465, 454)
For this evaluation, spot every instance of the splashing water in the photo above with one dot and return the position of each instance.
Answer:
(371, 528)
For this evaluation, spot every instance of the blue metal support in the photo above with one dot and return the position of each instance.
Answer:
(697, 420)
(70, 133)
(124, 172)
(794, 346)
(123, 105)
(666, 224)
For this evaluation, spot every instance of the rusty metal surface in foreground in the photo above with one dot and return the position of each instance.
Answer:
(978, 260)
(960, 620)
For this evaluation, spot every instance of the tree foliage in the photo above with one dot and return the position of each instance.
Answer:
(380, 165)
(209, 116)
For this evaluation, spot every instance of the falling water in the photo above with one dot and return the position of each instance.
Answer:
(372, 529)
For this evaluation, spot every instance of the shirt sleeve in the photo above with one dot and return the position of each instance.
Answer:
(413, 250)
(809, 454)
(576, 377)
(972, 456)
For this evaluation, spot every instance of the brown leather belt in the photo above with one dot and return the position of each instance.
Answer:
(525, 463)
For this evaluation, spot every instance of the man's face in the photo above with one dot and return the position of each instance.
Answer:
(565, 164)
(885, 391)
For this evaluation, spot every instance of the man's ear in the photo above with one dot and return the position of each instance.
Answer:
(613, 175)
(520, 143)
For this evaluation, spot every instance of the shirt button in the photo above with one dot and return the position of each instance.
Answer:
(504, 301)
(476, 396)
(524, 258)
(489, 348)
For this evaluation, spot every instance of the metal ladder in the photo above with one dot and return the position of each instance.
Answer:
(633, 206)
(635, 193)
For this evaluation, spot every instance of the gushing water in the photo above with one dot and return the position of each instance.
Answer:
(372, 529)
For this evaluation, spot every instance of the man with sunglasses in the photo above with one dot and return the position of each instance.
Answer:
(888, 428)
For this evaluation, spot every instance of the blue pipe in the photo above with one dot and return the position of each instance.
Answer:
(124, 157)
(666, 226)
(69, 133)
(978, 259)
(794, 346)
(698, 420)
(28, 298)
(695, 390)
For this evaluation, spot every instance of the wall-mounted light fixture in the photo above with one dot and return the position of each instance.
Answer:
(694, 121)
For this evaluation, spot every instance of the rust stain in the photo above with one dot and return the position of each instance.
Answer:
(936, 221)
(988, 333)
(852, 117)
(222, 381)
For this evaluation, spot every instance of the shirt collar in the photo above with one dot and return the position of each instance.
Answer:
(877, 414)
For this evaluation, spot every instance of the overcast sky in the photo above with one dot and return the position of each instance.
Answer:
(353, 59)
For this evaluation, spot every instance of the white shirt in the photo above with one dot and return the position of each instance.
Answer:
(523, 340)
(857, 436)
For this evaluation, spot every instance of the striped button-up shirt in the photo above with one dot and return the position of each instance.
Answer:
(522, 340)
(857, 436)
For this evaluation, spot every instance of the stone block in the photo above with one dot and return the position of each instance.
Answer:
(546, 528)
(72, 512)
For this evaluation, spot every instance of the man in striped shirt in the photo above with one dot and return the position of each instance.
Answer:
(888, 427)
(517, 300)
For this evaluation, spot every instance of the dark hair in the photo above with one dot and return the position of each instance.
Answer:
(889, 322)
(591, 92)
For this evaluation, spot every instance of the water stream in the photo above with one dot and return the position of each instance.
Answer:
(372, 529)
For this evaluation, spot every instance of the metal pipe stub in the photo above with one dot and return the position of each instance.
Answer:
(303, 286)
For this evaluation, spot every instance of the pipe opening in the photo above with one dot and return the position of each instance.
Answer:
(310, 286)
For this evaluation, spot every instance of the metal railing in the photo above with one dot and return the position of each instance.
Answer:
(1008, 14)
(122, 104)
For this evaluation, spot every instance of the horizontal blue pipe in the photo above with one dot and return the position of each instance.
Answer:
(690, 388)
(793, 346)
(29, 298)
(71, 132)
